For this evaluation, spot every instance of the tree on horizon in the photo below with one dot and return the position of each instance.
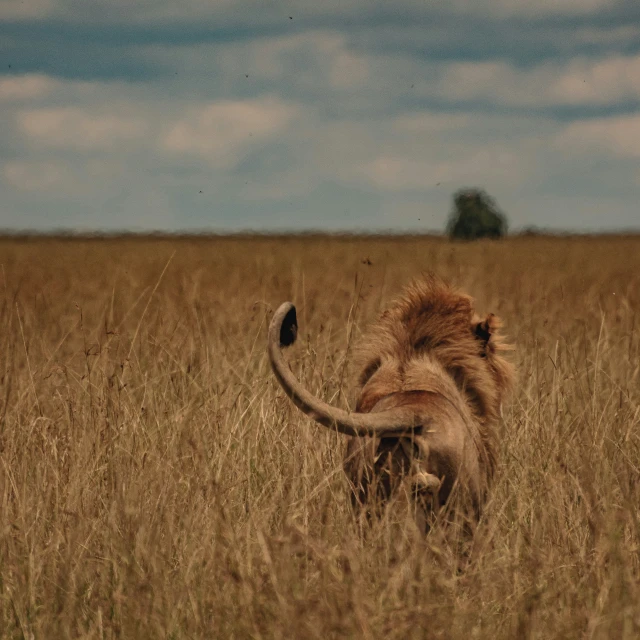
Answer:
(475, 214)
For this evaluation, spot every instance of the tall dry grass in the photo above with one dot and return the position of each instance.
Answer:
(155, 482)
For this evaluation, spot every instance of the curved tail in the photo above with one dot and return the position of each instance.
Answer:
(283, 332)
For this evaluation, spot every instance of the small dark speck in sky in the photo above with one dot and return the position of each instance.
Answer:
(246, 75)
(290, 17)
(200, 192)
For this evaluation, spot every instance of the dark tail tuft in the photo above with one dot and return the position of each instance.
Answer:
(289, 329)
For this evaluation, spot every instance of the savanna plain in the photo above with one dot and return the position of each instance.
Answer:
(155, 482)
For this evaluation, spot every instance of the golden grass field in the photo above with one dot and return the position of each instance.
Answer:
(155, 482)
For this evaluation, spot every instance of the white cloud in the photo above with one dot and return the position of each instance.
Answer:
(285, 184)
(321, 63)
(26, 87)
(348, 70)
(70, 176)
(619, 136)
(324, 67)
(222, 131)
(606, 81)
(35, 176)
(399, 173)
(312, 60)
(456, 153)
(582, 81)
(416, 152)
(225, 12)
(427, 123)
(606, 36)
(78, 128)
(530, 7)
(20, 9)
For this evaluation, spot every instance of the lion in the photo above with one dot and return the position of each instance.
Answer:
(433, 378)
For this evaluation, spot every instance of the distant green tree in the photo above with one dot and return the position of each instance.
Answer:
(475, 214)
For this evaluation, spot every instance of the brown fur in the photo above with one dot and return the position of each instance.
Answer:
(430, 352)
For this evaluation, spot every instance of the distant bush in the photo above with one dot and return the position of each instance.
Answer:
(475, 215)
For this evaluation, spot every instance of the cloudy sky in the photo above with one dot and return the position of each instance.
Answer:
(309, 114)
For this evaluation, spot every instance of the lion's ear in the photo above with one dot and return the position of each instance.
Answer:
(485, 329)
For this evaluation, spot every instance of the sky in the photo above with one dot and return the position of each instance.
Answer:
(352, 115)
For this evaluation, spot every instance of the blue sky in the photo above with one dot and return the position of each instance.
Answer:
(338, 115)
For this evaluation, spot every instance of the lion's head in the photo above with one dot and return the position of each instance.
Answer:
(431, 334)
